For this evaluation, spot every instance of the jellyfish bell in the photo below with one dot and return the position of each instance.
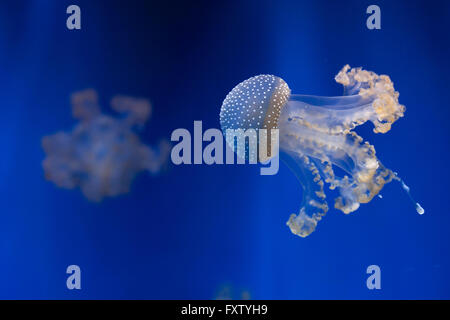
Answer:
(316, 136)
(254, 104)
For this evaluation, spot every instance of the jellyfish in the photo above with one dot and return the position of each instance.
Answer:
(227, 292)
(102, 154)
(316, 136)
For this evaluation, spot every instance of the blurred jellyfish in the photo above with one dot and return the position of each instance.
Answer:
(316, 135)
(102, 154)
(226, 292)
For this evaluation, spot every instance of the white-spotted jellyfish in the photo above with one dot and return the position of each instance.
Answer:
(316, 136)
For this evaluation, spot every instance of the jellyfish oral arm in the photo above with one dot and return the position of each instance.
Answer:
(313, 205)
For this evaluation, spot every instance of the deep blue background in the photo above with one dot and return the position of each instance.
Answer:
(187, 232)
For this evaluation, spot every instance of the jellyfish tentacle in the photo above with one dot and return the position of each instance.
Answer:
(386, 108)
(366, 175)
(331, 115)
(372, 98)
(313, 206)
(417, 205)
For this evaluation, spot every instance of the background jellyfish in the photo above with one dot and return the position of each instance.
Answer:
(227, 292)
(102, 154)
(316, 134)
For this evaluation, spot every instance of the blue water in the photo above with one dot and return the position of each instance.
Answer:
(184, 234)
